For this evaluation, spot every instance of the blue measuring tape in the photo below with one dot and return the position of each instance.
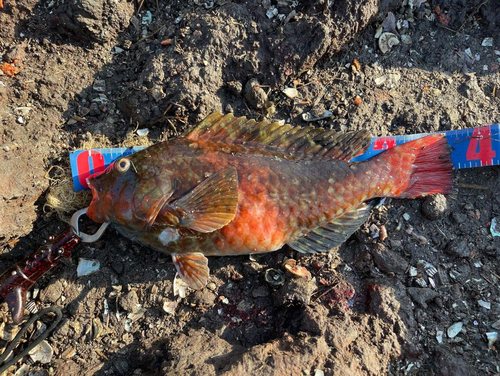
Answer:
(471, 147)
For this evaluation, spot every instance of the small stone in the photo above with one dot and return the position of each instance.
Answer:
(435, 206)
(422, 295)
(20, 120)
(130, 302)
(245, 306)
(202, 298)
(255, 95)
(42, 353)
(260, 292)
(380, 80)
(296, 290)
(387, 260)
(458, 248)
(487, 42)
(52, 293)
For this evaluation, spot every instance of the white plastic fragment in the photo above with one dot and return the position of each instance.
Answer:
(180, 287)
(492, 338)
(468, 52)
(496, 325)
(86, 267)
(439, 336)
(271, 12)
(487, 42)
(455, 329)
(484, 304)
(319, 372)
(24, 370)
(42, 353)
(406, 216)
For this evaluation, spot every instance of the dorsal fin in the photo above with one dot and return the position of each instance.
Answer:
(300, 141)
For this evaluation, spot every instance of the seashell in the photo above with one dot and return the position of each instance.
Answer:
(454, 329)
(274, 277)
(42, 353)
(291, 92)
(492, 338)
(86, 267)
(143, 132)
(421, 282)
(169, 307)
(387, 41)
(307, 116)
(299, 271)
(180, 287)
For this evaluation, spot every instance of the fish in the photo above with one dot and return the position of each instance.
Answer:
(236, 186)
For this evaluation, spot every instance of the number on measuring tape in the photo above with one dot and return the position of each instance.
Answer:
(89, 163)
(480, 146)
(384, 143)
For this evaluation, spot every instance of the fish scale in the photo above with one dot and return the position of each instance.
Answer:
(234, 186)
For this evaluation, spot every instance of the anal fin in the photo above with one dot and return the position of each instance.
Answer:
(193, 269)
(334, 233)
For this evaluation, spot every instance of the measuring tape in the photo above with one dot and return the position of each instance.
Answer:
(471, 147)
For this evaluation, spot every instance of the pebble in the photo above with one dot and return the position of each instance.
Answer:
(422, 295)
(20, 120)
(260, 292)
(435, 206)
(42, 353)
(387, 260)
(484, 304)
(296, 290)
(255, 95)
(458, 248)
(130, 302)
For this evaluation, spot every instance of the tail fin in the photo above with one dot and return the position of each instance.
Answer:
(419, 167)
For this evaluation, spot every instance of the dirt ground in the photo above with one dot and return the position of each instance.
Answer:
(378, 305)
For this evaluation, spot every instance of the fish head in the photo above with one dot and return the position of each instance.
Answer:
(129, 193)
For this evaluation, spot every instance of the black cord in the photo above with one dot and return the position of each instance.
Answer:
(39, 339)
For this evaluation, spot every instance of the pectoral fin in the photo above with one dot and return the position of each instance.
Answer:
(212, 204)
(193, 269)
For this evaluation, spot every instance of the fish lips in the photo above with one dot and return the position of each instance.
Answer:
(95, 210)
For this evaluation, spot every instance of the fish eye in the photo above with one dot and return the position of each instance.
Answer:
(123, 165)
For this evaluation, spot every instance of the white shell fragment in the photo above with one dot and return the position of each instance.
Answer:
(307, 116)
(484, 304)
(495, 226)
(86, 267)
(142, 132)
(455, 329)
(492, 338)
(487, 42)
(42, 353)
(387, 41)
(413, 272)
(180, 287)
(439, 336)
(169, 307)
(291, 92)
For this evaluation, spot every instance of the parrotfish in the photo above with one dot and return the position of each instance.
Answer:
(235, 186)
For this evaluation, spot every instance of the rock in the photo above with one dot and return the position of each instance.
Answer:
(314, 320)
(260, 292)
(435, 206)
(422, 295)
(130, 302)
(388, 261)
(255, 95)
(447, 364)
(295, 291)
(458, 248)
(96, 20)
(52, 293)
(121, 367)
(202, 298)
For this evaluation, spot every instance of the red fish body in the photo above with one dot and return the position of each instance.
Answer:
(234, 186)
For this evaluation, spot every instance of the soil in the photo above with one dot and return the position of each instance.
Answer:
(380, 304)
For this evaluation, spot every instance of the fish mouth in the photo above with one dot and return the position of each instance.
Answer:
(93, 212)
